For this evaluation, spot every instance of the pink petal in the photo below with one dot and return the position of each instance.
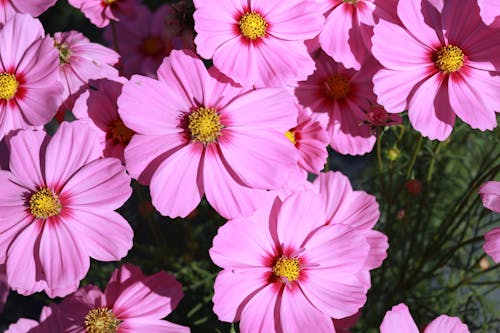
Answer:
(234, 239)
(490, 195)
(34, 8)
(446, 324)
(63, 259)
(492, 244)
(421, 19)
(100, 185)
(298, 315)
(177, 186)
(145, 153)
(429, 110)
(122, 278)
(23, 325)
(62, 160)
(104, 236)
(25, 161)
(228, 197)
(489, 10)
(240, 284)
(398, 320)
(153, 297)
(151, 326)
(294, 20)
(260, 314)
(378, 249)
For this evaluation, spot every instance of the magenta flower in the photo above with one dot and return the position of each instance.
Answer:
(80, 61)
(440, 63)
(131, 302)
(377, 116)
(349, 27)
(29, 87)
(258, 42)
(146, 38)
(57, 204)
(338, 98)
(101, 12)
(293, 266)
(196, 135)
(97, 106)
(399, 320)
(490, 195)
(33, 7)
(492, 244)
(490, 12)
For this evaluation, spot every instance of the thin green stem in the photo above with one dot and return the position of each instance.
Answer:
(379, 149)
(414, 156)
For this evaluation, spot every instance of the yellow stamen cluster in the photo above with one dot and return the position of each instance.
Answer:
(109, 2)
(288, 268)
(101, 320)
(291, 136)
(8, 86)
(337, 87)
(253, 25)
(448, 59)
(44, 204)
(119, 133)
(64, 52)
(204, 125)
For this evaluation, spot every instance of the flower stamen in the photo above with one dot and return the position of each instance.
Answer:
(8, 86)
(119, 133)
(44, 204)
(204, 125)
(101, 320)
(337, 87)
(253, 25)
(287, 269)
(448, 59)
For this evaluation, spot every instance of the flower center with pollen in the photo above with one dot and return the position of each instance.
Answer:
(8, 86)
(288, 268)
(291, 136)
(109, 2)
(448, 59)
(337, 87)
(119, 133)
(152, 46)
(101, 320)
(64, 52)
(44, 204)
(252, 25)
(204, 125)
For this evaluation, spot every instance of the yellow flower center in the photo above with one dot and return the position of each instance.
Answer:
(291, 136)
(337, 87)
(204, 125)
(44, 203)
(119, 133)
(253, 25)
(288, 268)
(351, 1)
(64, 52)
(8, 86)
(101, 320)
(109, 2)
(448, 59)
(152, 46)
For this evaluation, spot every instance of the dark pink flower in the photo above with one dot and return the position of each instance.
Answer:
(101, 12)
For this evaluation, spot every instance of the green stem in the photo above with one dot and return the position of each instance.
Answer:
(115, 36)
(379, 149)
(414, 156)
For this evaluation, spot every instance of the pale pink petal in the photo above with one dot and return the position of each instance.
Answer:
(398, 320)
(489, 10)
(23, 325)
(122, 278)
(105, 236)
(177, 185)
(152, 297)
(490, 195)
(261, 311)
(294, 20)
(61, 148)
(468, 104)
(429, 109)
(25, 161)
(224, 193)
(446, 324)
(298, 315)
(33, 7)
(63, 259)
(233, 289)
(492, 244)
(421, 19)
(99, 185)
(151, 326)
(378, 249)
(233, 239)
(145, 153)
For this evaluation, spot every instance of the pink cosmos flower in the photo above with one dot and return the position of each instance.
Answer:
(439, 63)
(286, 270)
(492, 244)
(24, 325)
(490, 195)
(80, 61)
(148, 37)
(310, 139)
(349, 26)
(337, 98)
(258, 42)
(29, 87)
(101, 12)
(97, 106)
(33, 7)
(399, 320)
(196, 134)
(131, 303)
(490, 12)
(57, 204)
(377, 116)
